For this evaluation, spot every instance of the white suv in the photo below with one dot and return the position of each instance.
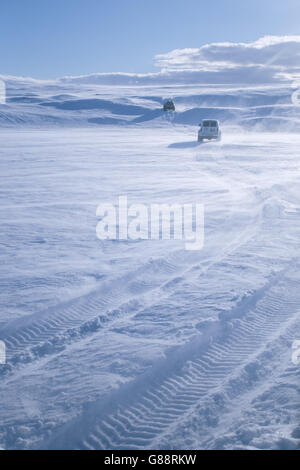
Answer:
(209, 129)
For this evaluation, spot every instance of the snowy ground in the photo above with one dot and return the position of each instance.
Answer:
(143, 344)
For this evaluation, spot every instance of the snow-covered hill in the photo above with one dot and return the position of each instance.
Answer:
(68, 103)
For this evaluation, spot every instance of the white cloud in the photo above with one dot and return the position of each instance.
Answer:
(271, 58)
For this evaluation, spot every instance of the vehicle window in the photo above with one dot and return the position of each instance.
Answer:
(213, 124)
(206, 124)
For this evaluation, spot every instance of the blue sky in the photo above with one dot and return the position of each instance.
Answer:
(53, 38)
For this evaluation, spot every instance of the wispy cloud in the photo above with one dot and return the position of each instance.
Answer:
(270, 58)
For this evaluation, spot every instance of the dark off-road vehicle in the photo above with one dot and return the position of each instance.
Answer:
(169, 105)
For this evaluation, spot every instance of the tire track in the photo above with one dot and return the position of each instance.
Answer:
(21, 334)
(31, 338)
(139, 414)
